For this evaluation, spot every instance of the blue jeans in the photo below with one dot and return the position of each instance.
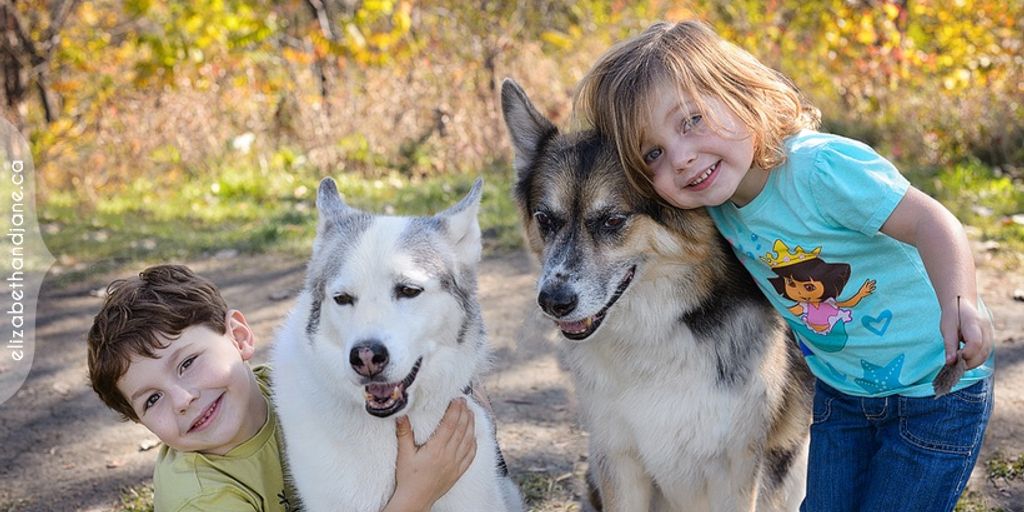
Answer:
(894, 453)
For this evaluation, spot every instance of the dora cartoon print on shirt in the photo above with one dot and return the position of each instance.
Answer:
(815, 285)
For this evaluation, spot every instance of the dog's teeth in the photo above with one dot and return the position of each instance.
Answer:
(587, 322)
(395, 393)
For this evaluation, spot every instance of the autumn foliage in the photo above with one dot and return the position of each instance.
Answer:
(167, 91)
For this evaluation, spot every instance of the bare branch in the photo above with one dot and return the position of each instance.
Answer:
(323, 17)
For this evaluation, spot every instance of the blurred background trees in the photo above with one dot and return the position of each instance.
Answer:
(192, 103)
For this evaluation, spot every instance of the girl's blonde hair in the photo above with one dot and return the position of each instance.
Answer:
(618, 94)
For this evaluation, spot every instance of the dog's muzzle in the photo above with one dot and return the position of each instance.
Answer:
(386, 398)
(560, 301)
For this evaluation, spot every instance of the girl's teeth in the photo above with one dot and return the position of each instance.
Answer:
(700, 179)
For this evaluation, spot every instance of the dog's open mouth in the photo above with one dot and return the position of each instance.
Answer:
(386, 398)
(581, 329)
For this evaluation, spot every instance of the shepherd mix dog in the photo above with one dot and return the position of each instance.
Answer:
(694, 395)
(388, 323)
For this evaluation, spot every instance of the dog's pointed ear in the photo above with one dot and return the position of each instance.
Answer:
(329, 204)
(462, 225)
(527, 127)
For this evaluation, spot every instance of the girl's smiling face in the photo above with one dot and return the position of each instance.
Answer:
(698, 158)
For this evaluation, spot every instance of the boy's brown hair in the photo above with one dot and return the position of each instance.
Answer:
(617, 95)
(161, 302)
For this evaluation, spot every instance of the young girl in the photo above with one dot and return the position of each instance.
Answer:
(699, 122)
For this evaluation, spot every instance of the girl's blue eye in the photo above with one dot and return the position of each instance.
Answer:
(652, 155)
(150, 401)
(692, 122)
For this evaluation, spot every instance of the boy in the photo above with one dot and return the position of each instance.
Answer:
(166, 351)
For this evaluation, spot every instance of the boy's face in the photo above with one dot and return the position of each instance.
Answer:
(198, 394)
(698, 158)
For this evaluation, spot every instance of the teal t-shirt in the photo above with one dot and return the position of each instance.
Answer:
(860, 302)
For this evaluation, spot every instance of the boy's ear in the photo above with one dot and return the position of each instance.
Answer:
(240, 333)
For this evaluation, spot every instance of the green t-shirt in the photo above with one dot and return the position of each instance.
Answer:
(248, 478)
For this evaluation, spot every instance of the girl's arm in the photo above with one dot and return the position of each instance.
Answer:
(939, 237)
(423, 474)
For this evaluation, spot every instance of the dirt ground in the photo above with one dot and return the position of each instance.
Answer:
(61, 449)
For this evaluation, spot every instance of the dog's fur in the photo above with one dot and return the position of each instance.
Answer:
(396, 285)
(693, 393)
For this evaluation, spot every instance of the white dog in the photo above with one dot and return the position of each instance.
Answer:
(388, 323)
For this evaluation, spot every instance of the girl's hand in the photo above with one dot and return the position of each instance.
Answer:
(975, 330)
(423, 474)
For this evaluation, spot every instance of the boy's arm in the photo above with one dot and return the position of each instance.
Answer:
(424, 474)
(939, 237)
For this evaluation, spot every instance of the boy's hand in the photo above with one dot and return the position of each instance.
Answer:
(968, 325)
(423, 474)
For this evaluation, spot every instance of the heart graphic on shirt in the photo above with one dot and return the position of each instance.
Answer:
(879, 324)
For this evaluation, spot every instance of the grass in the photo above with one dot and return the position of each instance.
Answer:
(248, 209)
(545, 492)
(1009, 468)
(982, 198)
(998, 467)
(972, 501)
(267, 204)
(136, 499)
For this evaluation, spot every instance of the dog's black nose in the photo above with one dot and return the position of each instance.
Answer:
(368, 358)
(557, 301)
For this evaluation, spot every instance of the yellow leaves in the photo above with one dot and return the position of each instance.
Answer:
(556, 39)
(402, 19)
(958, 80)
(296, 56)
(866, 33)
(891, 11)
(376, 33)
(563, 40)
(87, 13)
(371, 7)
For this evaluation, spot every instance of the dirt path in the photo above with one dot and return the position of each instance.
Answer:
(61, 449)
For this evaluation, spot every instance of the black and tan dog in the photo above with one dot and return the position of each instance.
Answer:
(694, 395)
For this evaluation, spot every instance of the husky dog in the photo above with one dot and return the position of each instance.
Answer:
(388, 323)
(694, 396)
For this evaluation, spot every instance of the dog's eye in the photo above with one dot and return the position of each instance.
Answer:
(615, 221)
(544, 221)
(344, 299)
(407, 291)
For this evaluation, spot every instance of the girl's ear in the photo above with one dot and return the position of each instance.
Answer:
(240, 334)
